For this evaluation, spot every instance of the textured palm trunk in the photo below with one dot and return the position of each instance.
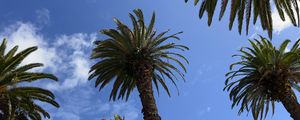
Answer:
(291, 104)
(144, 84)
(283, 92)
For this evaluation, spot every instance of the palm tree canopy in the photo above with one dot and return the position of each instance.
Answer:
(117, 117)
(253, 86)
(20, 99)
(245, 9)
(124, 47)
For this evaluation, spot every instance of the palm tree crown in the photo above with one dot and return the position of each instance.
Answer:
(17, 102)
(245, 8)
(265, 75)
(124, 48)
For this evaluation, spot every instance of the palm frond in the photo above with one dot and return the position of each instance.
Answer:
(244, 10)
(17, 101)
(252, 86)
(124, 46)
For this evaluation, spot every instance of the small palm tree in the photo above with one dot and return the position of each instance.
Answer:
(17, 101)
(118, 117)
(136, 58)
(266, 75)
(243, 9)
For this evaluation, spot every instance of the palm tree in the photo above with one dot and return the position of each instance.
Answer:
(117, 117)
(245, 8)
(266, 75)
(17, 98)
(136, 58)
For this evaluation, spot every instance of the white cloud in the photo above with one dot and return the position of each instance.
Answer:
(24, 35)
(257, 30)
(80, 73)
(278, 24)
(73, 52)
(66, 55)
(203, 111)
(43, 16)
(67, 116)
(81, 70)
(77, 107)
(125, 109)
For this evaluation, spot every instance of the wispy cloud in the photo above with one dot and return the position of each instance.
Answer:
(43, 16)
(278, 24)
(82, 104)
(24, 35)
(67, 56)
(202, 112)
(72, 59)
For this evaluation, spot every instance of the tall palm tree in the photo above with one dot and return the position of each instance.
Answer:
(136, 58)
(265, 75)
(17, 98)
(243, 9)
(117, 117)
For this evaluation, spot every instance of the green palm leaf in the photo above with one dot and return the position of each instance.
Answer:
(265, 75)
(17, 101)
(129, 58)
(117, 53)
(244, 10)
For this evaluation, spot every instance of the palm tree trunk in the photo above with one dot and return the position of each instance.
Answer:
(291, 104)
(3, 108)
(144, 84)
(282, 90)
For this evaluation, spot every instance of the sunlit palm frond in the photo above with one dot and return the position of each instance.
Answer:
(263, 71)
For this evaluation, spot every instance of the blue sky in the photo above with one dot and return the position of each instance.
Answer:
(64, 31)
